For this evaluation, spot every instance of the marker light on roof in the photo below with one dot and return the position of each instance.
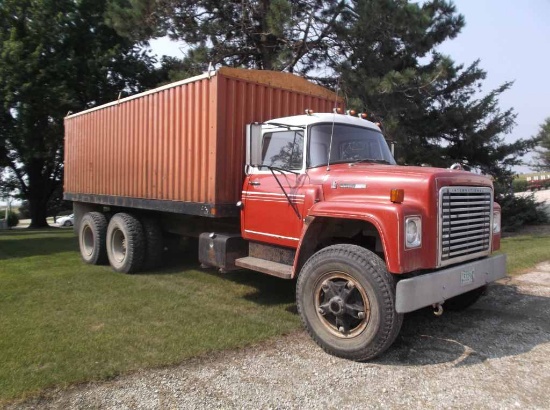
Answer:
(309, 112)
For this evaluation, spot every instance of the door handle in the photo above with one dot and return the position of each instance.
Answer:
(255, 183)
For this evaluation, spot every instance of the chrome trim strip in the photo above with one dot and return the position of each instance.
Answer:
(272, 235)
(248, 193)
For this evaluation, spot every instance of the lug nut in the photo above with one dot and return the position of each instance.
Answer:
(350, 285)
(341, 329)
(321, 311)
(361, 315)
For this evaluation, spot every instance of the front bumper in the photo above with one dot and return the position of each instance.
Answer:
(436, 287)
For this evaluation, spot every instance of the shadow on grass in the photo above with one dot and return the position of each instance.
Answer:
(503, 323)
(47, 243)
(269, 290)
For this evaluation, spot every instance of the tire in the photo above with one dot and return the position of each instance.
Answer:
(67, 223)
(335, 285)
(154, 243)
(125, 243)
(92, 238)
(464, 301)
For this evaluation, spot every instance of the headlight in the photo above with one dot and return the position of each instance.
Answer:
(413, 232)
(496, 221)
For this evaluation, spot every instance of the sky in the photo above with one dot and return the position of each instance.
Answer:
(512, 40)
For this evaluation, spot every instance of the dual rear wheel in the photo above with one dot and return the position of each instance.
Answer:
(127, 243)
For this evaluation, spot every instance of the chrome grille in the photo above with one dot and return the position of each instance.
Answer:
(465, 223)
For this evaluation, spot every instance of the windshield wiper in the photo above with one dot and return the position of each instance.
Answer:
(272, 168)
(282, 171)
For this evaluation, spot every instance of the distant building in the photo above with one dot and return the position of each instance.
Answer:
(535, 176)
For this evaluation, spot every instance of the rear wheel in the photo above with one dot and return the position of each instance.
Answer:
(346, 299)
(125, 243)
(154, 243)
(91, 238)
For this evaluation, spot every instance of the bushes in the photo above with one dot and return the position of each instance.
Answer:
(519, 185)
(13, 218)
(521, 210)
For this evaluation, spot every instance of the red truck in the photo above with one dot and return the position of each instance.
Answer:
(262, 168)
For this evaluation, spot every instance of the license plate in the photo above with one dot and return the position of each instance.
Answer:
(467, 277)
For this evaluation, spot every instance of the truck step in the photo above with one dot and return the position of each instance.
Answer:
(261, 265)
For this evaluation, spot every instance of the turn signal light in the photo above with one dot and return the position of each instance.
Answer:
(397, 196)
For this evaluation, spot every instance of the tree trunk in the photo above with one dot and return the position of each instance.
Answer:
(38, 194)
(38, 211)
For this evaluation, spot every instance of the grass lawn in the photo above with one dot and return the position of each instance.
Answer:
(525, 251)
(63, 322)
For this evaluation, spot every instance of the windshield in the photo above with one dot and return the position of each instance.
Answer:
(349, 144)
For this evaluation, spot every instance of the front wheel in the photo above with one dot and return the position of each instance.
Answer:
(346, 299)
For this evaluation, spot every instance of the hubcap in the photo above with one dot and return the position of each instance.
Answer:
(118, 245)
(87, 241)
(342, 304)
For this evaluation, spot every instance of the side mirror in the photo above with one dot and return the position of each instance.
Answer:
(253, 144)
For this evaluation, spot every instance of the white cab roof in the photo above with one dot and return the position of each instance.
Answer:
(305, 120)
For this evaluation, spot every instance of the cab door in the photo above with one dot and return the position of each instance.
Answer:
(274, 190)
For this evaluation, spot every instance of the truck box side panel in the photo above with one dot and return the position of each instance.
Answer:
(158, 146)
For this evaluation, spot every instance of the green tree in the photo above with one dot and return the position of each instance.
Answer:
(543, 150)
(285, 35)
(56, 57)
(431, 107)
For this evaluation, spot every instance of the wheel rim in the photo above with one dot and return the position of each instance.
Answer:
(118, 246)
(341, 304)
(87, 241)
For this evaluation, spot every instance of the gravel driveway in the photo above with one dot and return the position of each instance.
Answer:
(494, 355)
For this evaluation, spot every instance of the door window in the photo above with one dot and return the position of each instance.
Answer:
(283, 149)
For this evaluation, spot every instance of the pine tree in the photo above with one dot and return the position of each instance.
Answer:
(285, 35)
(543, 151)
(431, 107)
